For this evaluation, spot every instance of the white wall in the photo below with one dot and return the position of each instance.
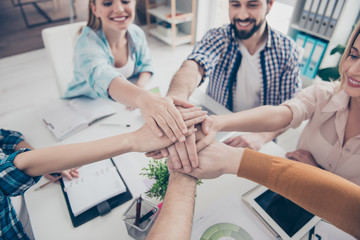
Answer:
(279, 17)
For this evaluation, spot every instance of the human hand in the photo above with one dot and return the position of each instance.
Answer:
(144, 140)
(252, 140)
(215, 160)
(302, 156)
(69, 174)
(191, 116)
(160, 113)
(184, 155)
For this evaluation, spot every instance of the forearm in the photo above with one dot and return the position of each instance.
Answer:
(176, 214)
(186, 79)
(320, 192)
(54, 159)
(123, 91)
(261, 119)
(143, 79)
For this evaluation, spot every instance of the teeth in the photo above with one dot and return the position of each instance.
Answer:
(354, 82)
(244, 23)
(119, 19)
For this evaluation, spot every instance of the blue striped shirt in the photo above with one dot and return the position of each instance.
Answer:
(13, 182)
(219, 55)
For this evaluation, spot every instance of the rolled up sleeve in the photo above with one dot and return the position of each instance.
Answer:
(14, 182)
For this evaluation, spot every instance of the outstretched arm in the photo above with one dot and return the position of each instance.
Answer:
(312, 188)
(54, 159)
(176, 214)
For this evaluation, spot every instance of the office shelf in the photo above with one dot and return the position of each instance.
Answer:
(163, 11)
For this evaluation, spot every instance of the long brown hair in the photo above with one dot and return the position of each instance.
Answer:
(93, 22)
(346, 53)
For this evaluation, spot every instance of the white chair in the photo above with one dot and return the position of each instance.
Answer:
(59, 43)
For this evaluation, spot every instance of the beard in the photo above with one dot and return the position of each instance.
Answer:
(243, 34)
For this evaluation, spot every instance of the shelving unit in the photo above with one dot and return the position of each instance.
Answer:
(167, 14)
(340, 35)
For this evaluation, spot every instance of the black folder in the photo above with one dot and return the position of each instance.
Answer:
(99, 210)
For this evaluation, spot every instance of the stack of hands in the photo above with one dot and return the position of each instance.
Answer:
(192, 133)
(190, 130)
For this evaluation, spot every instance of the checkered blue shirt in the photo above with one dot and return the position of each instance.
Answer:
(13, 182)
(219, 55)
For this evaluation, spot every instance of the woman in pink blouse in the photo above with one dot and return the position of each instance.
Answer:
(331, 138)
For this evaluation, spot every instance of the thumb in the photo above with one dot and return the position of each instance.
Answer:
(180, 102)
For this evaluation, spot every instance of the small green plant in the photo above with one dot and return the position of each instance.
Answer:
(332, 73)
(158, 170)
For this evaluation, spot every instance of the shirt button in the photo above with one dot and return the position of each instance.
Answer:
(347, 150)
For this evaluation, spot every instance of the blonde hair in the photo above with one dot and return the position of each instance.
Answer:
(93, 22)
(346, 53)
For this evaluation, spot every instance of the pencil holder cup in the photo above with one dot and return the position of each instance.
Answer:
(147, 216)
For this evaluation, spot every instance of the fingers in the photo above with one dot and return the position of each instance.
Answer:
(236, 142)
(170, 164)
(206, 125)
(66, 174)
(183, 156)
(179, 102)
(164, 152)
(50, 177)
(174, 157)
(189, 113)
(191, 148)
(176, 123)
(153, 127)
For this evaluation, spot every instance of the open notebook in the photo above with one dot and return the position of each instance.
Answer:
(66, 117)
(88, 196)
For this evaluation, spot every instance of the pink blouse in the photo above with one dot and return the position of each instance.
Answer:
(327, 111)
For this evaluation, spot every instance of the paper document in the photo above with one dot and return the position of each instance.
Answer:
(66, 117)
(97, 182)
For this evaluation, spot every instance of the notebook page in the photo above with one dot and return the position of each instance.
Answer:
(92, 109)
(97, 182)
(62, 120)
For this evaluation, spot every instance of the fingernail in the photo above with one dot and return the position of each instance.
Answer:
(184, 130)
(207, 129)
(182, 139)
(160, 134)
(193, 164)
(177, 165)
(187, 169)
(173, 139)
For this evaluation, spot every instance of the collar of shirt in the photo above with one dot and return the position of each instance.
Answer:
(338, 101)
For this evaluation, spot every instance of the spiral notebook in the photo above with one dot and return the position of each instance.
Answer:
(98, 189)
(281, 216)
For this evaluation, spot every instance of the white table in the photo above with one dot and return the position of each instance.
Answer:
(47, 208)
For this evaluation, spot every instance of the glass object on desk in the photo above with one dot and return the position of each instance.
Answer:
(148, 214)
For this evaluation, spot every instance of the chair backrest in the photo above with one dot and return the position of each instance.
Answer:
(59, 43)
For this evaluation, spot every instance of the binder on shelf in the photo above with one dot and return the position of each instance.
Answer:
(319, 16)
(300, 39)
(315, 59)
(308, 49)
(312, 14)
(305, 13)
(326, 18)
(334, 18)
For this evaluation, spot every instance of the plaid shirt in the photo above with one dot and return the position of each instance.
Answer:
(13, 182)
(219, 55)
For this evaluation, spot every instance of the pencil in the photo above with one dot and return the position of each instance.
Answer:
(51, 181)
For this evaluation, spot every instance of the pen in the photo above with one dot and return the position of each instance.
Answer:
(45, 184)
(138, 210)
(150, 213)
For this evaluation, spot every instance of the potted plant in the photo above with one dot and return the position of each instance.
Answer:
(332, 73)
(158, 171)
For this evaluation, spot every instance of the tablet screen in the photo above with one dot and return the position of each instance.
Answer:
(289, 216)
